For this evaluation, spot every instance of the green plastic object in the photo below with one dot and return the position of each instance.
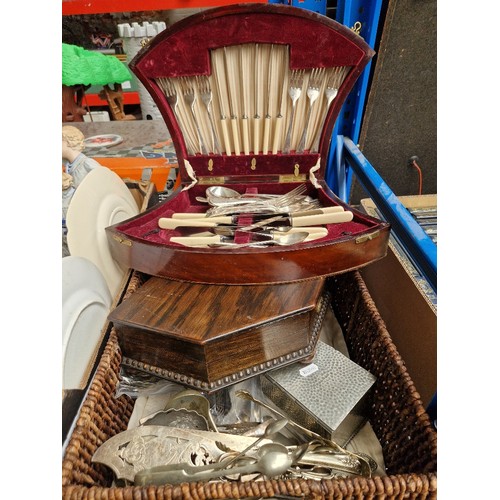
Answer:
(85, 67)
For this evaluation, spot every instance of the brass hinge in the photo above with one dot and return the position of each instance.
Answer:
(367, 237)
(123, 241)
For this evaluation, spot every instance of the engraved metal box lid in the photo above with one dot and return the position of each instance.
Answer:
(326, 395)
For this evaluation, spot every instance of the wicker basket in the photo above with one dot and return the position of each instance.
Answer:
(396, 414)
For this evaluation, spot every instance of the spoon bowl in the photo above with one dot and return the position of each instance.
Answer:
(272, 460)
(220, 196)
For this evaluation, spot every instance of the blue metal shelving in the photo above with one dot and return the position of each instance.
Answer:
(363, 17)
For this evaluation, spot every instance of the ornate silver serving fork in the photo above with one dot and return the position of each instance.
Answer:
(296, 79)
(190, 99)
(312, 93)
(206, 98)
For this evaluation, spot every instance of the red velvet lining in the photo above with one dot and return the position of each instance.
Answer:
(183, 50)
(186, 52)
(145, 226)
(265, 166)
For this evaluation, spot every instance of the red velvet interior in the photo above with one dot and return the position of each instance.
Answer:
(183, 50)
(145, 226)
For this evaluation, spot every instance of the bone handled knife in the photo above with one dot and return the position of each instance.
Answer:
(168, 223)
(312, 220)
(203, 240)
(316, 211)
(306, 220)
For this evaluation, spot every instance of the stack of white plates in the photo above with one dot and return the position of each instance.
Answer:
(86, 302)
(101, 200)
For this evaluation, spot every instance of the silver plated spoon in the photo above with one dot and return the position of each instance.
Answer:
(273, 428)
(272, 460)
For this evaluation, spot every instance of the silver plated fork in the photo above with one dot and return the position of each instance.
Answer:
(170, 93)
(312, 93)
(206, 97)
(296, 79)
(190, 99)
(331, 91)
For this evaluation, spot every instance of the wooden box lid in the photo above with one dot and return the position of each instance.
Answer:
(211, 336)
(248, 56)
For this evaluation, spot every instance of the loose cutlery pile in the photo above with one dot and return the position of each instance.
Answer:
(259, 219)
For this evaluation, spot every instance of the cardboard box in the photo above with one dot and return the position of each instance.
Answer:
(407, 304)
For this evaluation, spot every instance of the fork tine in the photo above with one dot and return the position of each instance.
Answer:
(206, 97)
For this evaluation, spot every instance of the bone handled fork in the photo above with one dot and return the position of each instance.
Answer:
(331, 91)
(312, 94)
(170, 94)
(206, 97)
(296, 79)
(190, 99)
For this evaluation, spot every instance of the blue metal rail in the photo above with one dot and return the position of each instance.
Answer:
(363, 17)
(415, 240)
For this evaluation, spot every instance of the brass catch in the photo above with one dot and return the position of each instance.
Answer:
(123, 241)
(367, 237)
(357, 27)
(296, 170)
(253, 164)
(210, 165)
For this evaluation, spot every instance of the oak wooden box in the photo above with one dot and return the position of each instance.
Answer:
(211, 336)
(185, 54)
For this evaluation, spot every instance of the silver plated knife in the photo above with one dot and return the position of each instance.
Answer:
(271, 237)
(306, 220)
(204, 216)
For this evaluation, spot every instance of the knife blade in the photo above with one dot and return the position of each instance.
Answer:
(276, 236)
(316, 211)
(305, 220)
(320, 231)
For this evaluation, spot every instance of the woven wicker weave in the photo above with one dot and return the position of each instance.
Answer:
(397, 416)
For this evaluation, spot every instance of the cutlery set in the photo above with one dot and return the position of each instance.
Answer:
(250, 96)
(252, 103)
(277, 226)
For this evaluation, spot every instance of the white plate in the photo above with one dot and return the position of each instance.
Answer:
(101, 200)
(102, 141)
(86, 302)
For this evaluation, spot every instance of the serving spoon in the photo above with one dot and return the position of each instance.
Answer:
(225, 192)
(272, 460)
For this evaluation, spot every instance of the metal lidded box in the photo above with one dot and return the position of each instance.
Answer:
(326, 396)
